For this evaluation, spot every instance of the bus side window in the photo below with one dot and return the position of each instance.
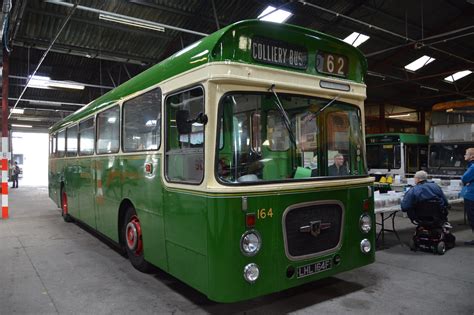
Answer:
(61, 143)
(53, 145)
(108, 131)
(71, 141)
(185, 145)
(142, 122)
(86, 137)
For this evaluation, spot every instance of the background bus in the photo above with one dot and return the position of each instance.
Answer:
(451, 133)
(396, 154)
(206, 165)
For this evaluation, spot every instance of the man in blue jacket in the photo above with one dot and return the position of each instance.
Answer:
(423, 191)
(468, 190)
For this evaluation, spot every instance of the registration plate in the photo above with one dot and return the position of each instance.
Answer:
(314, 268)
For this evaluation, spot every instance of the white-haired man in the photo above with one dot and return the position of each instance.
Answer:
(422, 191)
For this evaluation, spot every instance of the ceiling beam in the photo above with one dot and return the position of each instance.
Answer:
(97, 86)
(191, 15)
(436, 75)
(85, 52)
(98, 23)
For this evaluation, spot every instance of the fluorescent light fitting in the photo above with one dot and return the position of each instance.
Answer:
(429, 88)
(66, 85)
(356, 39)
(17, 111)
(39, 82)
(42, 82)
(46, 103)
(375, 74)
(449, 110)
(399, 115)
(420, 62)
(277, 16)
(458, 75)
(132, 22)
(22, 126)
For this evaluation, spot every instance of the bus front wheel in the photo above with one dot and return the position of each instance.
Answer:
(132, 236)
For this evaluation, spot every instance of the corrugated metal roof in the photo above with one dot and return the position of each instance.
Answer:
(103, 53)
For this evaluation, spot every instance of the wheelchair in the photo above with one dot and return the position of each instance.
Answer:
(432, 231)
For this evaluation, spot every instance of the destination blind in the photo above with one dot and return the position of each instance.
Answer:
(384, 139)
(279, 53)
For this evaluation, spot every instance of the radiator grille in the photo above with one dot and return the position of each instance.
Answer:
(300, 241)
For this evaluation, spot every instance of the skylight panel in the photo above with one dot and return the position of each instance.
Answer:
(419, 63)
(278, 16)
(458, 75)
(355, 39)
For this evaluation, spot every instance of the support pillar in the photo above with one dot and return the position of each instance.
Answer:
(382, 124)
(5, 147)
(421, 127)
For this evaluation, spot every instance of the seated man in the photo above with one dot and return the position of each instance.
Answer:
(338, 168)
(423, 191)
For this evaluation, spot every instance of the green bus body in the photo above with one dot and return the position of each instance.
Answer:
(193, 230)
(409, 138)
(396, 153)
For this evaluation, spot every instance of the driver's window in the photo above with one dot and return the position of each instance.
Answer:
(185, 136)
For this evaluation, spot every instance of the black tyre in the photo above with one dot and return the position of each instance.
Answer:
(450, 240)
(441, 248)
(412, 245)
(64, 207)
(133, 241)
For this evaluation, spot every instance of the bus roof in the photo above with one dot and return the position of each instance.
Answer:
(411, 138)
(453, 105)
(233, 43)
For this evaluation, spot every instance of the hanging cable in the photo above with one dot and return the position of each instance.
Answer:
(44, 56)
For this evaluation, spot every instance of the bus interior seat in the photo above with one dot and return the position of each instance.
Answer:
(302, 172)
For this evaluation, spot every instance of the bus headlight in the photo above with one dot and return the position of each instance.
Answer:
(365, 223)
(250, 243)
(365, 246)
(251, 273)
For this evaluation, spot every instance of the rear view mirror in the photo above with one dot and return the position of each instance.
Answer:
(182, 122)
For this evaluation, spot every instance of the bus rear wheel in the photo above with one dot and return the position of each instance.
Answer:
(132, 236)
(64, 207)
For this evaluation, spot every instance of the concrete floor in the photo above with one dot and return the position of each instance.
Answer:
(48, 266)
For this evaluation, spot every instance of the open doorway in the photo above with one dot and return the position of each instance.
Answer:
(30, 150)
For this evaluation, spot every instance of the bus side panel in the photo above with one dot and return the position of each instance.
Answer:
(226, 282)
(71, 182)
(108, 193)
(144, 190)
(53, 182)
(86, 191)
(186, 237)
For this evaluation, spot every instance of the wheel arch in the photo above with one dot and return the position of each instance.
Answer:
(62, 188)
(124, 205)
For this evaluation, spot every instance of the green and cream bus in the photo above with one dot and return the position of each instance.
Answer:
(391, 154)
(213, 165)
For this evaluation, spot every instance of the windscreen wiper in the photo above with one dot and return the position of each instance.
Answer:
(286, 119)
(327, 105)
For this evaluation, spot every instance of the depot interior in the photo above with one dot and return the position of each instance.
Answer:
(419, 55)
(58, 57)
